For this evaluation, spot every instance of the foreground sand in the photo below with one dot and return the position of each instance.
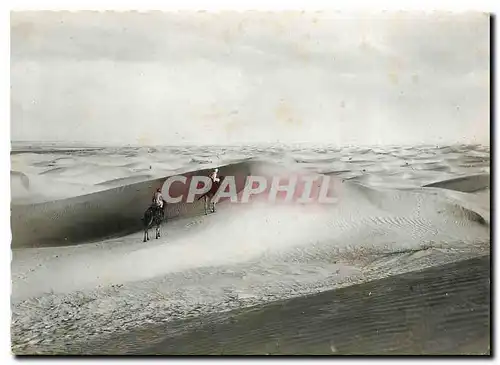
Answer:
(441, 310)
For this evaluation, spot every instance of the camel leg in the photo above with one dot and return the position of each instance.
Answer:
(144, 239)
(206, 205)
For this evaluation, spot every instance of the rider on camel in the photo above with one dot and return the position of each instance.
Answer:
(158, 199)
(213, 175)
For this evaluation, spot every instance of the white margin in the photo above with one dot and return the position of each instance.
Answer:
(213, 5)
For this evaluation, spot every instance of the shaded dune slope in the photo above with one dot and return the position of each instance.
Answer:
(466, 184)
(102, 214)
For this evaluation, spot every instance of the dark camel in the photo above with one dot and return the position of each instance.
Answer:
(153, 216)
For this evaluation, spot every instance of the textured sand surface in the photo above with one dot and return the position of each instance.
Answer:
(442, 310)
(80, 272)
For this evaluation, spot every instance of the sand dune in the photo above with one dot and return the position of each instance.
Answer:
(82, 252)
(96, 216)
(366, 223)
(467, 184)
(443, 310)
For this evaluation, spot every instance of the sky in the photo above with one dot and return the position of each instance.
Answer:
(338, 78)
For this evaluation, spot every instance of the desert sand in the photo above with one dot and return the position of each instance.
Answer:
(81, 273)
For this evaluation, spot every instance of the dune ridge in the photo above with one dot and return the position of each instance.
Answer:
(117, 211)
(97, 215)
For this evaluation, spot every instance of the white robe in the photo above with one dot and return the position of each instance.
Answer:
(214, 177)
(158, 199)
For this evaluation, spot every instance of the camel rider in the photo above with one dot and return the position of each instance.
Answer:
(213, 175)
(158, 199)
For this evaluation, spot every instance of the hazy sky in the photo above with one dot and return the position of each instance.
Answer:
(227, 78)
